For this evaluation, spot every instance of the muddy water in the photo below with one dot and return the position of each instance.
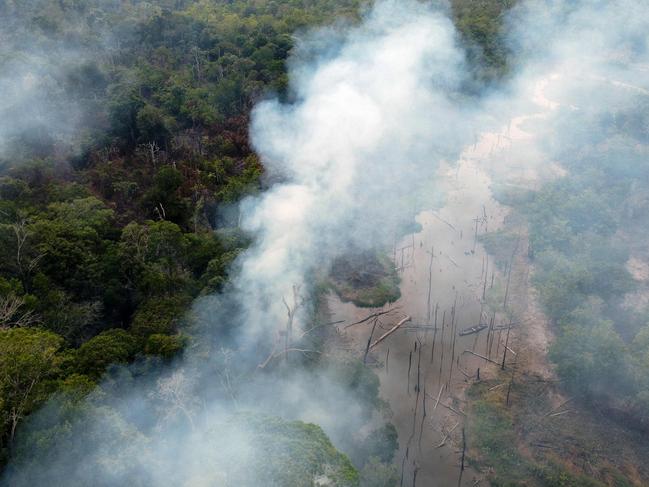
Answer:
(444, 274)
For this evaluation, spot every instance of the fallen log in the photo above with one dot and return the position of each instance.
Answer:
(454, 410)
(439, 396)
(320, 326)
(373, 315)
(481, 356)
(444, 221)
(447, 435)
(441, 388)
(390, 332)
(561, 412)
(559, 406)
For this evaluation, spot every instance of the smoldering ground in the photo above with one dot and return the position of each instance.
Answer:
(357, 150)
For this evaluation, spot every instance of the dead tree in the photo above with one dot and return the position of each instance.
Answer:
(430, 279)
(441, 361)
(453, 331)
(423, 417)
(290, 311)
(409, 367)
(432, 351)
(463, 449)
(11, 315)
(175, 391)
(511, 380)
(369, 340)
(387, 357)
(502, 367)
(25, 264)
(509, 274)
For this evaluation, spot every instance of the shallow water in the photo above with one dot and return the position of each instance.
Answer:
(411, 369)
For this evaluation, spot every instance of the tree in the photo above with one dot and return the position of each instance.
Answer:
(28, 363)
(72, 236)
(152, 125)
(109, 347)
(590, 356)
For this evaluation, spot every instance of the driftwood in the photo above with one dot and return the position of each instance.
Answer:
(390, 332)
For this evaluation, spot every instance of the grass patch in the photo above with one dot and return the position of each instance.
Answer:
(367, 279)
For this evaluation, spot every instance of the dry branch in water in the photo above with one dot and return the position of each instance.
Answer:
(390, 332)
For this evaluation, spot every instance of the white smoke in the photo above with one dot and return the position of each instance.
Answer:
(366, 133)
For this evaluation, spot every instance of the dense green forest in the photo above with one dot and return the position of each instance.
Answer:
(110, 199)
(582, 233)
(584, 227)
